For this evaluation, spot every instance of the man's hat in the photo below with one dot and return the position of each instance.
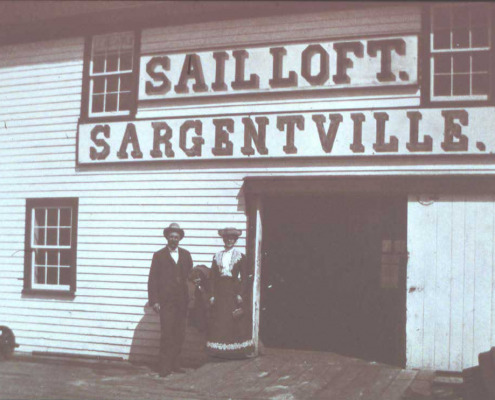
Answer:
(229, 231)
(173, 227)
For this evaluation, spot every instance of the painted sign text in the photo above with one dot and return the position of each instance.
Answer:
(366, 133)
(324, 65)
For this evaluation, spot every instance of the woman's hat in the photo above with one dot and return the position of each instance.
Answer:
(173, 227)
(229, 231)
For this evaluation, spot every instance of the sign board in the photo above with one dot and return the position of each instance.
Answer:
(322, 134)
(384, 61)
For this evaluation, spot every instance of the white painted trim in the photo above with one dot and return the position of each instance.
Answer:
(257, 274)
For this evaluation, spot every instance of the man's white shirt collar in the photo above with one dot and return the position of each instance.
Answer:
(174, 254)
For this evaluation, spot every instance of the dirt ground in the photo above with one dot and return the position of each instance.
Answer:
(278, 374)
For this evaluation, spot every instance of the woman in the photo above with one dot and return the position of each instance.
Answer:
(229, 333)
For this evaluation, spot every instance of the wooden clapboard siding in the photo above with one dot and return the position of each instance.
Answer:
(483, 276)
(45, 344)
(55, 141)
(109, 185)
(450, 281)
(91, 327)
(89, 279)
(442, 280)
(40, 89)
(285, 29)
(98, 311)
(123, 210)
(12, 107)
(152, 200)
(79, 316)
(46, 118)
(137, 289)
(457, 283)
(44, 72)
(80, 342)
(25, 132)
(134, 239)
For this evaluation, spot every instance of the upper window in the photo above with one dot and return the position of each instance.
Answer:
(111, 74)
(51, 241)
(460, 45)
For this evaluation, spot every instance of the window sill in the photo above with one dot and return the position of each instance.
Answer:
(446, 99)
(106, 118)
(432, 103)
(55, 294)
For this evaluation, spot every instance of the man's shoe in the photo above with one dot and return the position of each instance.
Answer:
(164, 372)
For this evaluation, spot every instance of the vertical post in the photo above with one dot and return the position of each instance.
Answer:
(257, 272)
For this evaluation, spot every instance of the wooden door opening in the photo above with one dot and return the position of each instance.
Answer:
(333, 275)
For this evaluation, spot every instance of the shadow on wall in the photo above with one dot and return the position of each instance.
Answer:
(145, 344)
(146, 339)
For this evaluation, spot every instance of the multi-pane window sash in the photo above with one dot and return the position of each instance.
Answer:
(111, 74)
(51, 247)
(460, 52)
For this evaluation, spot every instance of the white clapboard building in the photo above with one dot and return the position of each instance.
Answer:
(352, 143)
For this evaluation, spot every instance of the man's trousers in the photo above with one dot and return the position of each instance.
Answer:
(173, 331)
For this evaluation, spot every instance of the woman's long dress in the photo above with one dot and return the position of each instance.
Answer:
(229, 336)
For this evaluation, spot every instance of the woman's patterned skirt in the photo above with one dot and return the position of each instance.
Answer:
(230, 332)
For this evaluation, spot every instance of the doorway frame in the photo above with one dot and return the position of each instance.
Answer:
(257, 188)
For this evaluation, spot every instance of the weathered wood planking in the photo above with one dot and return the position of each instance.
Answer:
(470, 238)
(270, 30)
(483, 274)
(419, 263)
(88, 314)
(135, 237)
(270, 377)
(451, 253)
(457, 283)
(122, 211)
(443, 279)
(86, 322)
(304, 27)
(419, 234)
(76, 332)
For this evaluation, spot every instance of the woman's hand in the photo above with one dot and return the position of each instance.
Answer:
(239, 300)
(156, 307)
(197, 285)
(212, 301)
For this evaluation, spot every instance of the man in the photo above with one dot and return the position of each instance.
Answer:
(168, 295)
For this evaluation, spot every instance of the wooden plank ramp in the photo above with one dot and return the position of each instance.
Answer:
(294, 374)
(275, 375)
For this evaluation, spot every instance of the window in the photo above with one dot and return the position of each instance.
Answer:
(111, 74)
(51, 242)
(460, 46)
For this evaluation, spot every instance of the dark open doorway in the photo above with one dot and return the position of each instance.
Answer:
(333, 275)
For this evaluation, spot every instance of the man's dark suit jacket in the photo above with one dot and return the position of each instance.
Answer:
(167, 281)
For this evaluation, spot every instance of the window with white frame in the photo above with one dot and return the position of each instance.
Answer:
(51, 242)
(111, 74)
(460, 47)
